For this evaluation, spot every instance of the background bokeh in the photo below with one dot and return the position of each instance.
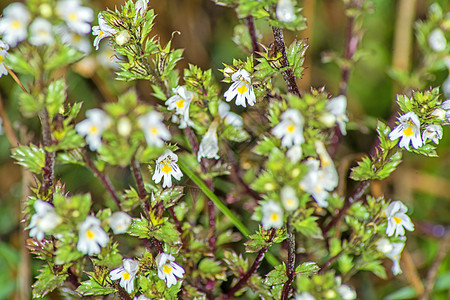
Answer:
(206, 30)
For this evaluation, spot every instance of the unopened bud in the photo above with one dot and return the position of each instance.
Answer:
(122, 37)
(439, 113)
(285, 11)
(124, 126)
(327, 119)
(45, 10)
(437, 40)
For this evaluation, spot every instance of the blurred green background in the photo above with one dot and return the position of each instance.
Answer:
(423, 184)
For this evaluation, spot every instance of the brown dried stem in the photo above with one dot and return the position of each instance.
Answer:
(290, 265)
(252, 31)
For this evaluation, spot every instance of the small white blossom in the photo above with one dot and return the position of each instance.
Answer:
(241, 88)
(397, 220)
(154, 129)
(437, 40)
(126, 274)
(97, 121)
(124, 126)
(394, 255)
(119, 222)
(305, 296)
(141, 7)
(285, 11)
(76, 40)
(384, 246)
(289, 198)
(13, 24)
(77, 17)
(102, 30)
(168, 269)
(295, 153)
(290, 129)
(41, 32)
(3, 53)
(229, 116)
(272, 215)
(180, 102)
(408, 130)
(346, 292)
(91, 236)
(432, 132)
(166, 166)
(209, 147)
(337, 107)
(122, 37)
(44, 220)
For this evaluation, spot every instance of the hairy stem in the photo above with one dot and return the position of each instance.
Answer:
(258, 260)
(49, 166)
(288, 74)
(136, 168)
(290, 265)
(252, 31)
(103, 178)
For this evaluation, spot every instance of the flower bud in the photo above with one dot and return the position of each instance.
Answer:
(437, 40)
(285, 11)
(327, 119)
(122, 37)
(124, 127)
(439, 113)
(45, 10)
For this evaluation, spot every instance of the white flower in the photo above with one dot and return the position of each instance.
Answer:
(166, 166)
(437, 40)
(168, 269)
(141, 297)
(229, 116)
(77, 17)
(91, 236)
(290, 129)
(305, 296)
(289, 198)
(180, 103)
(119, 222)
(102, 30)
(92, 127)
(408, 130)
(295, 153)
(397, 220)
(209, 145)
(432, 132)
(241, 88)
(154, 129)
(285, 11)
(76, 40)
(346, 292)
(272, 215)
(319, 181)
(141, 7)
(394, 255)
(44, 220)
(13, 24)
(126, 274)
(41, 32)
(384, 246)
(337, 107)
(3, 53)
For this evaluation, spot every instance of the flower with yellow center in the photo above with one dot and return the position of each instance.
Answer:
(241, 88)
(166, 166)
(14, 23)
(289, 198)
(432, 132)
(272, 215)
(3, 53)
(126, 274)
(168, 269)
(93, 127)
(119, 222)
(41, 32)
(290, 129)
(154, 129)
(408, 130)
(91, 236)
(77, 17)
(102, 30)
(394, 255)
(44, 220)
(180, 102)
(397, 220)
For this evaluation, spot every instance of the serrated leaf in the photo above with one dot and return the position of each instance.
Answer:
(375, 267)
(307, 269)
(363, 171)
(390, 166)
(93, 288)
(65, 254)
(67, 140)
(167, 233)
(30, 157)
(277, 276)
(308, 227)
(210, 266)
(29, 105)
(19, 63)
(235, 134)
(64, 56)
(47, 282)
(56, 95)
(139, 228)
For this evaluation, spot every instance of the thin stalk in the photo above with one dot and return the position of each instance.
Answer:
(328, 263)
(16, 79)
(202, 186)
(258, 260)
(13, 140)
(49, 166)
(288, 74)
(290, 265)
(252, 31)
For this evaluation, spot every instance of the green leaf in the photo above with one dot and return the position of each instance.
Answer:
(390, 166)
(375, 267)
(30, 157)
(167, 233)
(19, 63)
(93, 288)
(308, 227)
(277, 276)
(65, 254)
(235, 134)
(307, 269)
(47, 282)
(56, 95)
(139, 228)
(29, 105)
(64, 56)
(296, 56)
(364, 170)
(212, 267)
(68, 139)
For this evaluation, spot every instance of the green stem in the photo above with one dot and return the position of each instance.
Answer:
(238, 224)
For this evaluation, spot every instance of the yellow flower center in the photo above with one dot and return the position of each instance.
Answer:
(291, 128)
(73, 17)
(274, 217)
(242, 89)
(166, 169)
(180, 103)
(408, 131)
(317, 189)
(15, 24)
(290, 202)
(90, 234)
(167, 269)
(93, 129)
(154, 130)
(397, 220)
(1, 58)
(126, 275)
(76, 38)
(100, 33)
